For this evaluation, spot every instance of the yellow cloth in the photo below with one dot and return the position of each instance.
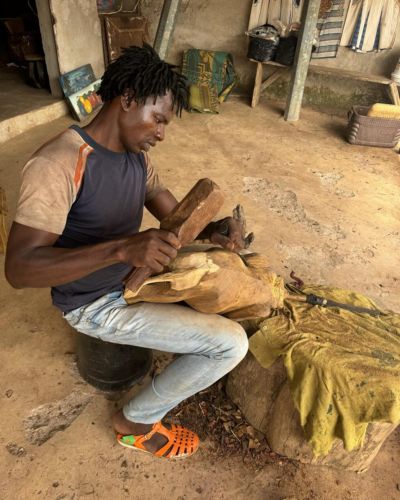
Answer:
(389, 111)
(343, 367)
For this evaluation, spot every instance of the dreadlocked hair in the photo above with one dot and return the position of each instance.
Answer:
(139, 73)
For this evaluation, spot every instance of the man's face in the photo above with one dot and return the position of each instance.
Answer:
(142, 126)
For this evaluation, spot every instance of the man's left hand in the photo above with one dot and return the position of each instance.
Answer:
(229, 233)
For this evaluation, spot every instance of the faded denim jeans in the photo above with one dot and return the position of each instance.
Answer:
(210, 346)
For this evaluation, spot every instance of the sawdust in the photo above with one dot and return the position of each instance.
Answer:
(330, 179)
(213, 415)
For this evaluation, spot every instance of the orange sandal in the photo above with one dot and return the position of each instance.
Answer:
(181, 442)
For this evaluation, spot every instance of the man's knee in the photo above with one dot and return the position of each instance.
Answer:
(236, 341)
(243, 342)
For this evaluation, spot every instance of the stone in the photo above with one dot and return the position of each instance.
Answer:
(44, 421)
(14, 449)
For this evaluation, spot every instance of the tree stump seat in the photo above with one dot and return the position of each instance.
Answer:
(264, 397)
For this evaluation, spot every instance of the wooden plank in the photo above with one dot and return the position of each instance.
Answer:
(165, 27)
(272, 78)
(339, 72)
(264, 12)
(255, 13)
(302, 59)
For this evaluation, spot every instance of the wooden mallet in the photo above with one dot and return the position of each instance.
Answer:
(190, 216)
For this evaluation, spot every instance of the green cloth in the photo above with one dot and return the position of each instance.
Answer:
(203, 98)
(343, 368)
(211, 76)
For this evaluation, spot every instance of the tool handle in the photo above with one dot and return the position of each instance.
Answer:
(137, 277)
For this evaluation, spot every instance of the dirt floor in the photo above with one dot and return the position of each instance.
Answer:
(319, 206)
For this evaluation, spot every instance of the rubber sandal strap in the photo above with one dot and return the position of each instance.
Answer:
(181, 442)
(138, 440)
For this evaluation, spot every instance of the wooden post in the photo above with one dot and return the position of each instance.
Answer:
(257, 86)
(3, 221)
(394, 93)
(302, 59)
(165, 27)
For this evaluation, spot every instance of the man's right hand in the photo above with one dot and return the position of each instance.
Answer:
(154, 248)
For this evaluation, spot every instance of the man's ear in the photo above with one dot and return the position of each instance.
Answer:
(125, 104)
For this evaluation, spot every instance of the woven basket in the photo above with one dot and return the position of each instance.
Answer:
(372, 131)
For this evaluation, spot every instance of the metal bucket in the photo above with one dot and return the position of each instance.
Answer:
(111, 367)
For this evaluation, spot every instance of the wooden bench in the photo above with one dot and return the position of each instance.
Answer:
(279, 69)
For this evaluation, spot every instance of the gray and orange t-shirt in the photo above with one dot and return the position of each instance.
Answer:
(86, 194)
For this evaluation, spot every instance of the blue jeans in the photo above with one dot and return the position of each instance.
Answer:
(210, 346)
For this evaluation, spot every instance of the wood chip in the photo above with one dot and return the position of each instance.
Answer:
(252, 444)
(213, 415)
(250, 431)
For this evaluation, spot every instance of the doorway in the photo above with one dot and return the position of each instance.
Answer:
(24, 82)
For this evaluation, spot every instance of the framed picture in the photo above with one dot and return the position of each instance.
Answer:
(77, 79)
(85, 101)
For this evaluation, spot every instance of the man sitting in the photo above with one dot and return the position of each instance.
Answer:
(77, 230)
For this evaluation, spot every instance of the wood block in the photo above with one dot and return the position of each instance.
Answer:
(197, 209)
(190, 216)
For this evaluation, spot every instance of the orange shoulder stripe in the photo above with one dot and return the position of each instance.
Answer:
(84, 152)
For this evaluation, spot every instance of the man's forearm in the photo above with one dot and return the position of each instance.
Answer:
(50, 266)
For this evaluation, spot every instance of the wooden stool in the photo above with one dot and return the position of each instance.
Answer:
(37, 73)
(264, 397)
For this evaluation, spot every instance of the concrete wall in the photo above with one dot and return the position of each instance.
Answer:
(220, 25)
(77, 34)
